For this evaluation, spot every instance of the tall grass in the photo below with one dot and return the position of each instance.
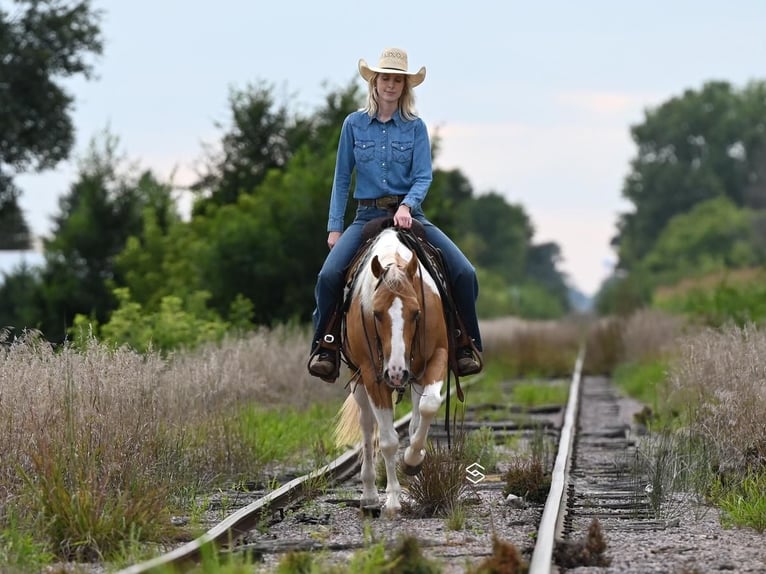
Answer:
(532, 348)
(707, 386)
(96, 443)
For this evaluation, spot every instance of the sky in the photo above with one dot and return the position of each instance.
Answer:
(531, 100)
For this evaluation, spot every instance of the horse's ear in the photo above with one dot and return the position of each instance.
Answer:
(377, 268)
(412, 266)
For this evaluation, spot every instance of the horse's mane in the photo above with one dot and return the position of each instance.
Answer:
(395, 279)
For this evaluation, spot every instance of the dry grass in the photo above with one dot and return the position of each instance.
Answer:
(542, 348)
(91, 434)
(645, 335)
(650, 334)
(719, 378)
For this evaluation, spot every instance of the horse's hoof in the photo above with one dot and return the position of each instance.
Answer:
(370, 511)
(411, 470)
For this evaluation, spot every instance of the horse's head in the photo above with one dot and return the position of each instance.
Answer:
(396, 311)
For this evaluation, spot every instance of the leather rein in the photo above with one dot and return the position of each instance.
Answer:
(418, 337)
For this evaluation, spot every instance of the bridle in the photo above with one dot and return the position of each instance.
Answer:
(417, 342)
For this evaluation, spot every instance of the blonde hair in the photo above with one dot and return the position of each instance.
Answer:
(406, 101)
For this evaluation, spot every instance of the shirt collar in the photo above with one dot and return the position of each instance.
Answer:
(396, 118)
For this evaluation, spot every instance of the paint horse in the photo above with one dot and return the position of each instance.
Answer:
(395, 335)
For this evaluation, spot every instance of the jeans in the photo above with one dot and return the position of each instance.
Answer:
(331, 278)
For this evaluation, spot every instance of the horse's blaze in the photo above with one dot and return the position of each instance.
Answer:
(396, 368)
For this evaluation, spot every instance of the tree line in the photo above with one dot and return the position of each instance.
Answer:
(698, 188)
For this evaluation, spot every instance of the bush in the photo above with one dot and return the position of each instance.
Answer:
(737, 297)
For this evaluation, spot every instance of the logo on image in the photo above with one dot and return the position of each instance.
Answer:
(475, 473)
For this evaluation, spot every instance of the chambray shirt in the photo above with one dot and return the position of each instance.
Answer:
(392, 158)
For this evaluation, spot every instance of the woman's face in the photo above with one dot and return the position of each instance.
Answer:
(390, 87)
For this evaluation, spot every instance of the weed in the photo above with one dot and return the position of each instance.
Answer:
(456, 517)
(527, 478)
(442, 479)
(505, 559)
(480, 447)
(587, 552)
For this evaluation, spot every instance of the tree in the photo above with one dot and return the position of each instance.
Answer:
(264, 135)
(499, 235)
(14, 231)
(713, 236)
(44, 41)
(704, 144)
(102, 209)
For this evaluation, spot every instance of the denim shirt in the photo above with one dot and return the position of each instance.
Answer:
(391, 158)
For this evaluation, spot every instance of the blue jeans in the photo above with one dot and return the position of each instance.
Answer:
(331, 278)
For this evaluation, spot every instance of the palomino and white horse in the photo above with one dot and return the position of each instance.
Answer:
(396, 335)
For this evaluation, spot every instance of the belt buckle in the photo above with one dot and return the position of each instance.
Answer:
(388, 202)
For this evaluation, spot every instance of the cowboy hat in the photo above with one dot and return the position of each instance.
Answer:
(392, 61)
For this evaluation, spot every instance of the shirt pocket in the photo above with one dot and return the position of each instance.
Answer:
(364, 150)
(402, 151)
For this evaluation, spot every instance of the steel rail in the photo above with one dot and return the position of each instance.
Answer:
(551, 523)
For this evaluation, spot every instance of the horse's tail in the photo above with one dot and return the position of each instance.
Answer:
(347, 429)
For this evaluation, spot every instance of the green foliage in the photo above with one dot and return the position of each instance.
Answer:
(528, 300)
(497, 236)
(297, 563)
(527, 478)
(735, 297)
(20, 299)
(643, 381)
(252, 249)
(102, 209)
(87, 511)
(20, 551)
(176, 324)
(14, 231)
(41, 42)
(744, 503)
(263, 136)
(480, 447)
(713, 235)
(702, 145)
(284, 435)
(539, 394)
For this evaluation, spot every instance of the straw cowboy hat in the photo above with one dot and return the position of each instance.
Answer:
(392, 61)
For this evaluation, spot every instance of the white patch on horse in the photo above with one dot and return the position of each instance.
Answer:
(397, 362)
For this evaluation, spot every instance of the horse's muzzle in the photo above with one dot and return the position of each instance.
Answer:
(396, 378)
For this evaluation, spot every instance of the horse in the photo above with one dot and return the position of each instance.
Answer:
(395, 335)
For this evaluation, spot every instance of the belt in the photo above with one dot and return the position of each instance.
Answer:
(385, 202)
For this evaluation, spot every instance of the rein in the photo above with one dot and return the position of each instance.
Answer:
(414, 344)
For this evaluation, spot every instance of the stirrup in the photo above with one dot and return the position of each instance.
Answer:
(327, 363)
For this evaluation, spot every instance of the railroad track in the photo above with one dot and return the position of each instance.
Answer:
(294, 518)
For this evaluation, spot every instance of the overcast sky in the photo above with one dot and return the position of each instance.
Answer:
(533, 100)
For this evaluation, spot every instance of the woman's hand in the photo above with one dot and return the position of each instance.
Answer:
(332, 238)
(403, 217)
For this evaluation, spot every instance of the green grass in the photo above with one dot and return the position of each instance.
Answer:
(642, 381)
(538, 394)
(744, 504)
(20, 551)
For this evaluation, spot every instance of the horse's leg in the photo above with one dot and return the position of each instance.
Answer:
(427, 406)
(389, 444)
(367, 424)
(415, 394)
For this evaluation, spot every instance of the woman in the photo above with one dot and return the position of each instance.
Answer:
(388, 145)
